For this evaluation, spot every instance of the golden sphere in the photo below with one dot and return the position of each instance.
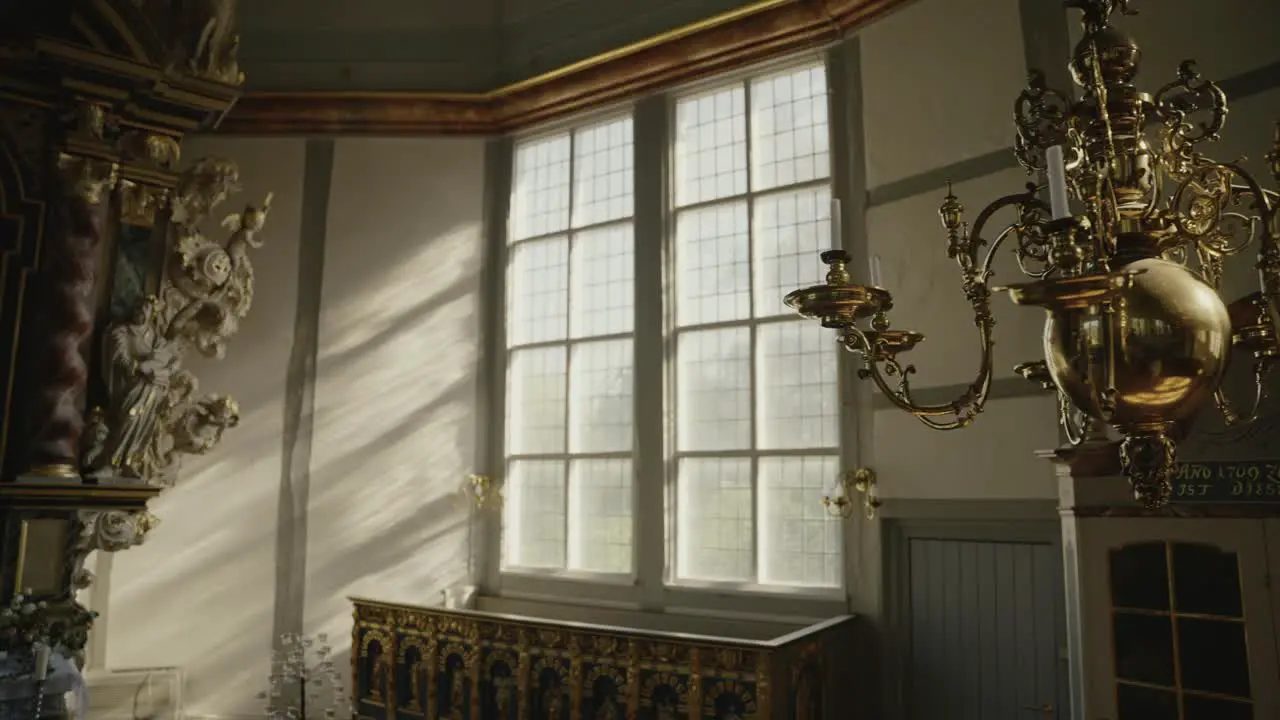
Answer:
(1170, 338)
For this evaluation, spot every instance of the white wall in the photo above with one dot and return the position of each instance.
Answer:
(199, 593)
(393, 424)
(397, 368)
(931, 95)
(939, 79)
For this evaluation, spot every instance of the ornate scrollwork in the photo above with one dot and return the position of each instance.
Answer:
(1221, 211)
(1042, 117)
(113, 530)
(1176, 103)
(154, 415)
(1148, 461)
(875, 348)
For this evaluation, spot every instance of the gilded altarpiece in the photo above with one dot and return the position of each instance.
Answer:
(413, 662)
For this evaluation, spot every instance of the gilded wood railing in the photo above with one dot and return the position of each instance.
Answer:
(414, 662)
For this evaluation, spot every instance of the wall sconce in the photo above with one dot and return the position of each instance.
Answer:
(482, 491)
(861, 481)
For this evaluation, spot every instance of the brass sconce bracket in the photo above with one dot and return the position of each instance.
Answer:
(861, 481)
(482, 491)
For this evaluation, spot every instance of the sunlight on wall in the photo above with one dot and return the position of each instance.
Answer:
(397, 370)
(199, 593)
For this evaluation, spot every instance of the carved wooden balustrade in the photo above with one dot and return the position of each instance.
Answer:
(416, 662)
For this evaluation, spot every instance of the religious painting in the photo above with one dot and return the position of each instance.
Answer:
(135, 263)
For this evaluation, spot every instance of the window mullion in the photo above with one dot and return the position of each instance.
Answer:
(568, 361)
(651, 236)
(752, 382)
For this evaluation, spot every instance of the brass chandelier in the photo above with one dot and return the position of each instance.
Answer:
(1137, 336)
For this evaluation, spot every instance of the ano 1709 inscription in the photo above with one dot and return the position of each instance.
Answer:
(1244, 481)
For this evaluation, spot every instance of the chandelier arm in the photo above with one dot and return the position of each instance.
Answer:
(1264, 203)
(1269, 250)
(963, 408)
(1075, 432)
(1261, 370)
(971, 402)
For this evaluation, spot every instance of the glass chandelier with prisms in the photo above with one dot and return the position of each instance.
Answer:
(1137, 336)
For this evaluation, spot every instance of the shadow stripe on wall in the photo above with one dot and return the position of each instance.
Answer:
(299, 405)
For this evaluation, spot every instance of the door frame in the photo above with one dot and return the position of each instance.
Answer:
(899, 532)
(1097, 536)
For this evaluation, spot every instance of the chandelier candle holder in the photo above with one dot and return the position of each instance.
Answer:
(1137, 337)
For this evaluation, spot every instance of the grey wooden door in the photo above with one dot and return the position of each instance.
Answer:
(985, 626)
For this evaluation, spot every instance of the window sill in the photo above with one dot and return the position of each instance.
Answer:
(736, 602)
(791, 593)
(706, 622)
(570, 576)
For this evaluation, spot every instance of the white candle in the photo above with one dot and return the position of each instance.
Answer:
(875, 271)
(837, 239)
(1056, 169)
(42, 661)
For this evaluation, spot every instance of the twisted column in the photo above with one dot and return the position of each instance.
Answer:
(64, 322)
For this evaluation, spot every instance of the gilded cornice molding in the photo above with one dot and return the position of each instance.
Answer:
(751, 34)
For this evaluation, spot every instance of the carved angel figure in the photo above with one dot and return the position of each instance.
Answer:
(139, 365)
(212, 284)
(153, 415)
(555, 703)
(191, 427)
(216, 47)
(502, 694)
(457, 696)
(202, 187)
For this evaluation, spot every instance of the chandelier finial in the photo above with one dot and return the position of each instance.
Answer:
(1097, 13)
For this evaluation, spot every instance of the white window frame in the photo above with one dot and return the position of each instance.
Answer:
(567, 457)
(753, 323)
(650, 586)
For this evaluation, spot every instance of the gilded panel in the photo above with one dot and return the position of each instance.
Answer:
(462, 666)
(664, 694)
(415, 659)
(549, 693)
(453, 683)
(500, 667)
(604, 689)
(729, 700)
(373, 663)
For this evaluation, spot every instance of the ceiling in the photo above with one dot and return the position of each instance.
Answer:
(441, 45)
